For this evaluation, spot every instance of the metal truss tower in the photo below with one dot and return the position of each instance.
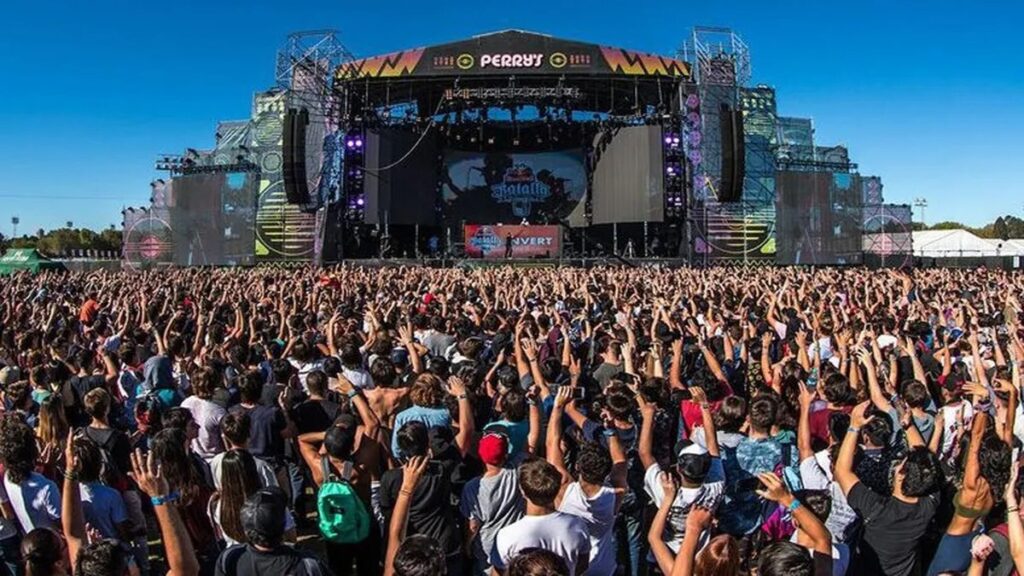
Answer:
(305, 66)
(737, 230)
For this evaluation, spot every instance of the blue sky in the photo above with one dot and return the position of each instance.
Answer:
(926, 94)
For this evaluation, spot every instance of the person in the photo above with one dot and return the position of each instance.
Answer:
(418, 555)
(241, 481)
(34, 499)
(102, 505)
(263, 520)
(269, 425)
(589, 497)
(235, 429)
(427, 396)
(491, 501)
(895, 523)
(542, 526)
(508, 245)
(206, 413)
(537, 562)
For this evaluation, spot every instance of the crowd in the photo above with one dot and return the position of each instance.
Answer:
(541, 422)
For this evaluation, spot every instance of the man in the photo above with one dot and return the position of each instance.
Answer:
(756, 453)
(270, 426)
(236, 428)
(266, 554)
(543, 526)
(508, 245)
(893, 525)
(491, 501)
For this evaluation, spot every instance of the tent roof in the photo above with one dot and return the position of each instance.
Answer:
(16, 259)
(951, 244)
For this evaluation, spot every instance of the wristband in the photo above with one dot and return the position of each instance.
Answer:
(462, 397)
(530, 402)
(1011, 509)
(167, 499)
(793, 506)
(853, 429)
(71, 476)
(353, 393)
(609, 433)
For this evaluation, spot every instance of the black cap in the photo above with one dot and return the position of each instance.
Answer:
(263, 517)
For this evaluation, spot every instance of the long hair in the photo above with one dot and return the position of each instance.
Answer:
(239, 481)
(170, 448)
(41, 549)
(53, 422)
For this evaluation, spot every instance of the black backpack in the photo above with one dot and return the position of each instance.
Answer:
(231, 558)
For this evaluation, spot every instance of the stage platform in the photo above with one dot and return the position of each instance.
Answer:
(470, 263)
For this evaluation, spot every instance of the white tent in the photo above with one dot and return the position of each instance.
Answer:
(1011, 247)
(952, 244)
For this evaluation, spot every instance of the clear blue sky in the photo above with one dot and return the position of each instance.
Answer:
(929, 95)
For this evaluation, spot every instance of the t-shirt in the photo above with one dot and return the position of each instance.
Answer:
(707, 495)
(208, 416)
(494, 502)
(892, 530)
(266, 473)
(605, 372)
(315, 415)
(304, 368)
(244, 560)
(103, 508)
(265, 439)
(598, 511)
(74, 392)
(36, 502)
(431, 417)
(816, 474)
(563, 534)
(118, 447)
(431, 512)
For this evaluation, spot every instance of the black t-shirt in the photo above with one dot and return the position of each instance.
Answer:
(431, 512)
(242, 560)
(892, 531)
(74, 390)
(117, 446)
(315, 415)
(265, 439)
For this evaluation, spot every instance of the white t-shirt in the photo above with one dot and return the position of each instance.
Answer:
(208, 416)
(304, 368)
(266, 473)
(816, 474)
(36, 502)
(563, 534)
(708, 495)
(598, 512)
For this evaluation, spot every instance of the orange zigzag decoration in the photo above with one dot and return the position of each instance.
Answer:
(640, 64)
(385, 66)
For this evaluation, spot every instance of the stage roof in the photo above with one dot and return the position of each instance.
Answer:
(514, 52)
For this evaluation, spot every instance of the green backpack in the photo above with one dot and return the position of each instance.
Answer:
(343, 516)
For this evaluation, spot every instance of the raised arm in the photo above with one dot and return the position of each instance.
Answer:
(661, 552)
(708, 421)
(646, 442)
(877, 396)
(414, 469)
(554, 436)
(181, 557)
(803, 432)
(466, 426)
(776, 491)
(844, 462)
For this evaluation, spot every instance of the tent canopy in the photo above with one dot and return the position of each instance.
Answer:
(951, 244)
(18, 259)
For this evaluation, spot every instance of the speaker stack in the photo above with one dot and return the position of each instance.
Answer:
(730, 187)
(293, 169)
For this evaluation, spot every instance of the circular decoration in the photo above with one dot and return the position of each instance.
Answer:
(222, 160)
(282, 228)
(692, 101)
(268, 130)
(465, 61)
(148, 241)
(271, 162)
(558, 60)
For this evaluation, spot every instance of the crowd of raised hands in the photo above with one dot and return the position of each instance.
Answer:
(415, 421)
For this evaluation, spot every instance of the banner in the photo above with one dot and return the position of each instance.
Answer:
(524, 241)
(515, 52)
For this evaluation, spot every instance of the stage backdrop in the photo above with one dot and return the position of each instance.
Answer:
(527, 241)
(628, 182)
(508, 187)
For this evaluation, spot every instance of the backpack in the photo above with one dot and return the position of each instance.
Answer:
(232, 557)
(110, 473)
(343, 516)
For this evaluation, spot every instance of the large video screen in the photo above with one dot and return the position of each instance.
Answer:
(212, 217)
(819, 218)
(498, 187)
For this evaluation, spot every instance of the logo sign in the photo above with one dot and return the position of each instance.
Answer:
(465, 61)
(511, 60)
(526, 241)
(557, 60)
(521, 189)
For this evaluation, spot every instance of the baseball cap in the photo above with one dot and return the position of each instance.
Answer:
(693, 462)
(492, 448)
(263, 516)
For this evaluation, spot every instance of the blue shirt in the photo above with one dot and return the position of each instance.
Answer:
(431, 418)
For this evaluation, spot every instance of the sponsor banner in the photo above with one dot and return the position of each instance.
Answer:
(526, 241)
(513, 51)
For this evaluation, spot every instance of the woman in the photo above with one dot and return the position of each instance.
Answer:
(45, 554)
(51, 434)
(239, 481)
(986, 473)
(206, 414)
(170, 448)
(427, 395)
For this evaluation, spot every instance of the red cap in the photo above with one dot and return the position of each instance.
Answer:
(493, 448)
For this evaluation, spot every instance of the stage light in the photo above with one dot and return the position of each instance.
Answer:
(360, 201)
(668, 139)
(350, 143)
(670, 170)
(359, 143)
(490, 140)
(515, 141)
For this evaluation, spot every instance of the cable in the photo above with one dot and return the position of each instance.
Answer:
(414, 146)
